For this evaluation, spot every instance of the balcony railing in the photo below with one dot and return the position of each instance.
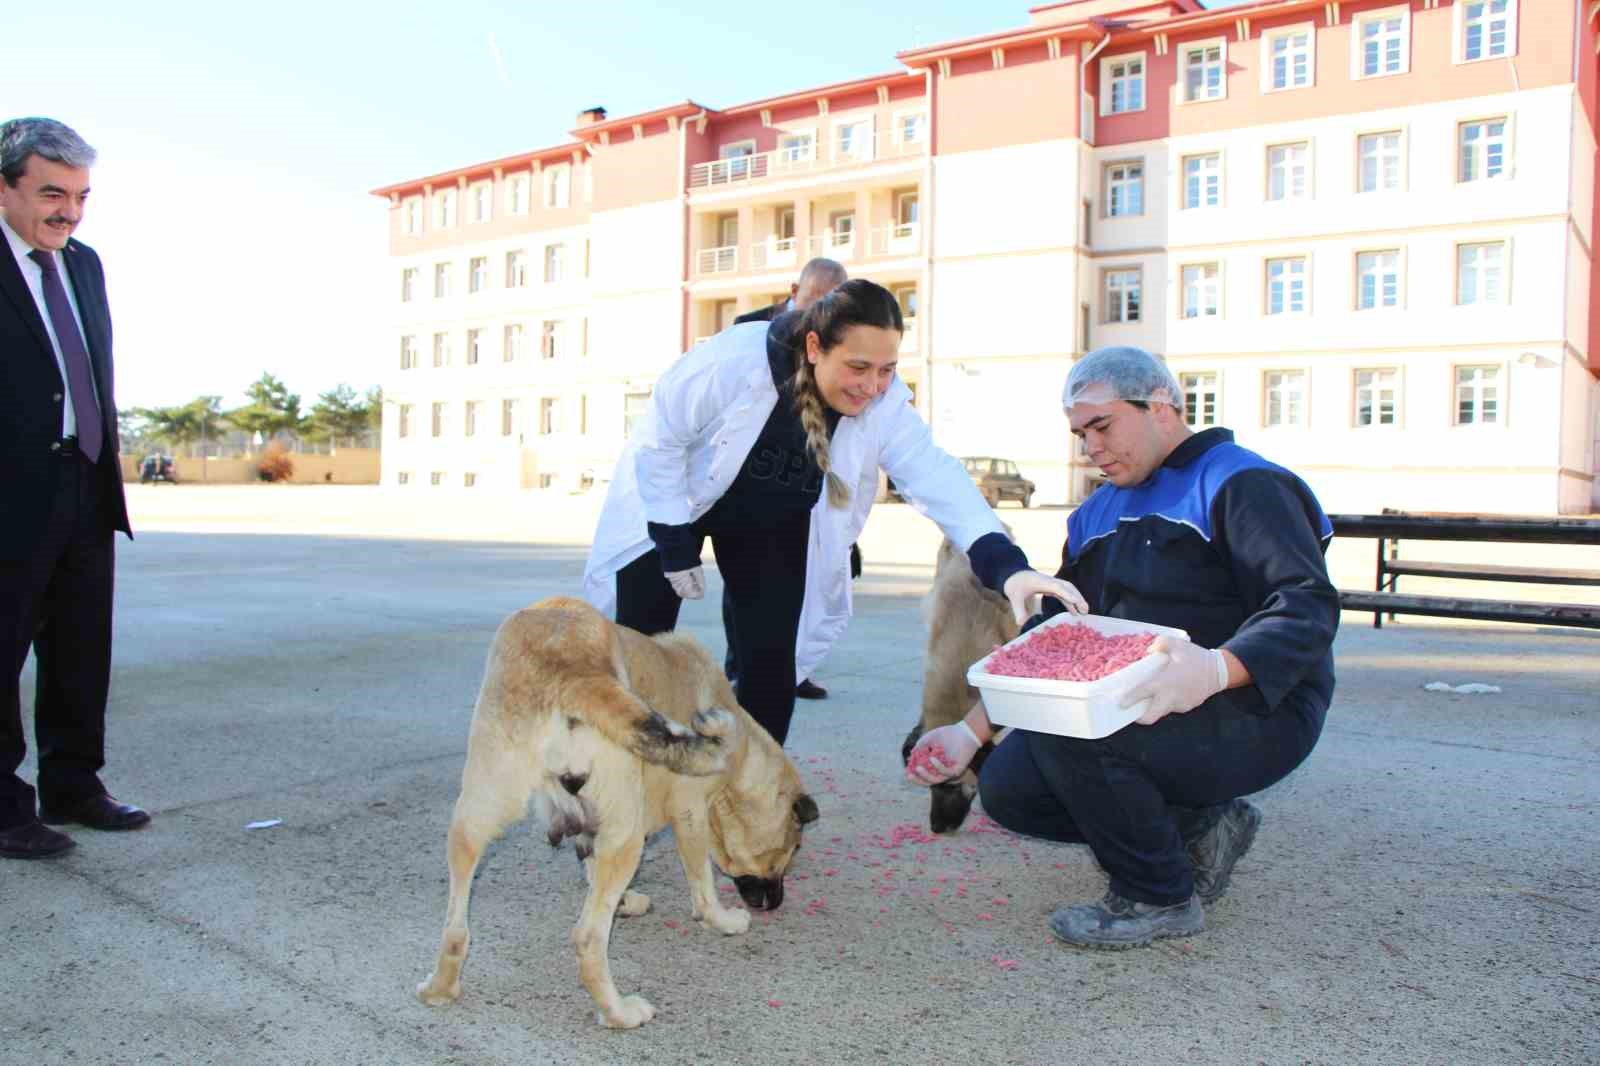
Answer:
(723, 260)
(773, 253)
(802, 159)
(904, 238)
(845, 246)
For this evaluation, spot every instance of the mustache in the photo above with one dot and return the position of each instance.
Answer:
(58, 220)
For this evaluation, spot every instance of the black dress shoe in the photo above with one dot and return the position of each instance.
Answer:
(810, 690)
(33, 841)
(97, 812)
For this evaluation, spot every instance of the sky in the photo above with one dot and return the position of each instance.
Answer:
(238, 144)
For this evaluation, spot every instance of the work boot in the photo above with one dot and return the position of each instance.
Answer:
(1215, 850)
(1118, 923)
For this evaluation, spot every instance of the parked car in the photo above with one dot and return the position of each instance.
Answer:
(999, 479)
(156, 467)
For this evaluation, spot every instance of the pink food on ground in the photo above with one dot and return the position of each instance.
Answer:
(924, 756)
(1071, 651)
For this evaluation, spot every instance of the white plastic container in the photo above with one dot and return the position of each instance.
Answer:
(1087, 709)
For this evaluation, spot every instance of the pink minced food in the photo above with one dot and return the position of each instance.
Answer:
(923, 757)
(1070, 651)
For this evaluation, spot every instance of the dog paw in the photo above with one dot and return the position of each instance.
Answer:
(631, 1012)
(729, 921)
(433, 994)
(713, 722)
(633, 904)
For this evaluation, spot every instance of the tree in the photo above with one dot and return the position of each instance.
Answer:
(179, 427)
(273, 409)
(339, 414)
(375, 409)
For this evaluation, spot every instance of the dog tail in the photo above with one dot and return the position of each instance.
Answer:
(699, 749)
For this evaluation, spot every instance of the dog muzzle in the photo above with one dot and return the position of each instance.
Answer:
(760, 894)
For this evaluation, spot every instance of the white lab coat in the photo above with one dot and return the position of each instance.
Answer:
(706, 413)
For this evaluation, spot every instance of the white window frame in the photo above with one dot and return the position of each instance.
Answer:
(443, 353)
(1357, 29)
(517, 268)
(865, 156)
(1505, 139)
(1106, 289)
(1278, 33)
(909, 313)
(411, 216)
(734, 151)
(1216, 397)
(555, 266)
(1183, 183)
(1304, 392)
(1112, 184)
(1402, 149)
(1479, 300)
(443, 280)
(1183, 290)
(786, 154)
(1307, 164)
(513, 342)
(552, 338)
(1288, 276)
(1399, 280)
(508, 416)
(403, 423)
(549, 416)
(902, 228)
(469, 418)
(556, 186)
(1398, 383)
(1109, 80)
(1185, 52)
(477, 274)
(409, 276)
(900, 126)
(474, 346)
(481, 196)
(408, 352)
(1499, 386)
(440, 419)
(515, 182)
(444, 208)
(1458, 32)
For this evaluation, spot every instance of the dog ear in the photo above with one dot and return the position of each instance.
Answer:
(805, 809)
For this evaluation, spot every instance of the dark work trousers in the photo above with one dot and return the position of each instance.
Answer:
(58, 599)
(1129, 796)
(730, 662)
(764, 571)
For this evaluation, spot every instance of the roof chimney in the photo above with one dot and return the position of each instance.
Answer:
(590, 116)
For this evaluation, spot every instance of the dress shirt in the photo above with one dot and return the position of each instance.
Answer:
(33, 275)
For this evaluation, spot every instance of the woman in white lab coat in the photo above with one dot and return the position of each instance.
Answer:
(742, 436)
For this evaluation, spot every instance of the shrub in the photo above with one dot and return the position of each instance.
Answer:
(275, 464)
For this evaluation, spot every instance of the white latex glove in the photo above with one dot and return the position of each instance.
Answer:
(1021, 587)
(688, 584)
(1192, 675)
(958, 743)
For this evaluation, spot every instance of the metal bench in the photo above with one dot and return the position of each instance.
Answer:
(1390, 527)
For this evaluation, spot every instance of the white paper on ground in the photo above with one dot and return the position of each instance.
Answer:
(268, 824)
(1471, 688)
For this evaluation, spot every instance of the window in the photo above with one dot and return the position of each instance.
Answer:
(1202, 290)
(511, 349)
(1202, 180)
(583, 413)
(441, 350)
(841, 229)
(468, 480)
(1124, 189)
(797, 147)
(1122, 84)
(546, 480)
(516, 269)
(1379, 155)
(853, 141)
(444, 208)
(403, 478)
(1284, 394)
(441, 280)
(408, 284)
(550, 339)
(1203, 66)
(1382, 43)
(508, 417)
(906, 296)
(737, 157)
(405, 421)
(1123, 295)
(1377, 392)
(912, 128)
(555, 263)
(907, 208)
(558, 185)
(517, 194)
(1377, 280)
(1289, 171)
(1482, 149)
(436, 478)
(549, 416)
(1199, 399)
(482, 201)
(1477, 395)
(583, 337)
(1485, 29)
(1083, 327)
(411, 216)
(1286, 286)
(469, 419)
(474, 346)
(635, 408)
(438, 421)
(1480, 273)
(1288, 58)
(408, 353)
(477, 273)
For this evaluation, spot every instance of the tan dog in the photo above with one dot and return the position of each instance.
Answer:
(613, 735)
(965, 622)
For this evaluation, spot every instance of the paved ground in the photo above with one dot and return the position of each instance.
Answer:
(1424, 889)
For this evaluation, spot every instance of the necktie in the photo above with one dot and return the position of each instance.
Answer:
(80, 380)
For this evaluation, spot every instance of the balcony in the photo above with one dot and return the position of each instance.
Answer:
(885, 242)
(723, 260)
(774, 253)
(799, 161)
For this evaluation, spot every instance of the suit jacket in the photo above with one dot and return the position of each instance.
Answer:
(765, 314)
(32, 395)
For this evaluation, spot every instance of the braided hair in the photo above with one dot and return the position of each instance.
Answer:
(858, 302)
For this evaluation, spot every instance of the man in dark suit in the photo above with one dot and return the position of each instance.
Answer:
(817, 278)
(61, 481)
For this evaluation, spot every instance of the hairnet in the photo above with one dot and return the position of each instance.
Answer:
(1121, 373)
